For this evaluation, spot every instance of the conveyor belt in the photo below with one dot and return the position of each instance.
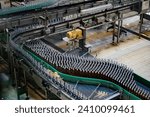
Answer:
(42, 6)
(85, 67)
(31, 18)
(95, 92)
(31, 7)
(41, 65)
(113, 74)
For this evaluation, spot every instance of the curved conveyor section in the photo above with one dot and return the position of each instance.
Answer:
(106, 71)
(87, 67)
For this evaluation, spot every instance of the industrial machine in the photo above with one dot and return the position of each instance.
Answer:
(39, 62)
(75, 34)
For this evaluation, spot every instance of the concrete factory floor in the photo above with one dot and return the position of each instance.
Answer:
(133, 52)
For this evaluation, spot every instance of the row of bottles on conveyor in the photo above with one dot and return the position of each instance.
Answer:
(83, 65)
(88, 67)
(54, 78)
